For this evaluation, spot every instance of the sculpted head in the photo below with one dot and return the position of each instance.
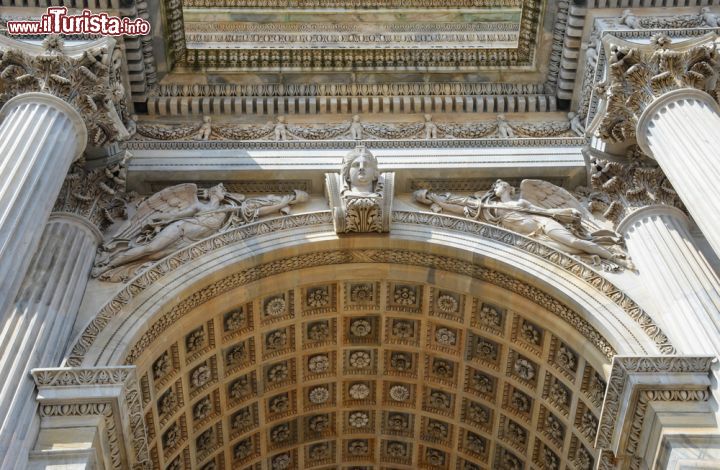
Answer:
(218, 191)
(501, 187)
(360, 170)
(301, 196)
(421, 196)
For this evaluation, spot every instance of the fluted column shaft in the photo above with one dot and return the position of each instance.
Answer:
(37, 327)
(681, 130)
(40, 136)
(677, 276)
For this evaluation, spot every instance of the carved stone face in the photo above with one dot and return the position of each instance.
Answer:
(503, 188)
(217, 191)
(363, 171)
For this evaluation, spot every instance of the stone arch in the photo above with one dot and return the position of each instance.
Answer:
(175, 315)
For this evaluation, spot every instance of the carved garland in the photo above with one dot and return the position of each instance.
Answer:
(370, 131)
(592, 278)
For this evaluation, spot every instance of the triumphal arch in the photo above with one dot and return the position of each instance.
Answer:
(362, 234)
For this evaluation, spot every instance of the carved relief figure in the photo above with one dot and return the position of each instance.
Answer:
(356, 130)
(360, 173)
(431, 129)
(175, 217)
(575, 124)
(709, 18)
(593, 51)
(629, 19)
(543, 211)
(205, 130)
(360, 196)
(281, 132)
(504, 131)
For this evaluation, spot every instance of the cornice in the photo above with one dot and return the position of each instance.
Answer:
(350, 144)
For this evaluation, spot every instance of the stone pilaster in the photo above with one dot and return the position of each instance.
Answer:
(649, 402)
(677, 275)
(40, 136)
(36, 329)
(89, 418)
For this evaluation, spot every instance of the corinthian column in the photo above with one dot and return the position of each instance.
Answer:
(655, 94)
(681, 130)
(63, 99)
(37, 328)
(40, 136)
(686, 289)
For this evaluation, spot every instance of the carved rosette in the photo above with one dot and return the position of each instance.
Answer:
(639, 75)
(361, 213)
(84, 79)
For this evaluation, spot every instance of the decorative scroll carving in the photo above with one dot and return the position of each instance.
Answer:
(360, 196)
(82, 403)
(637, 77)
(543, 211)
(175, 217)
(86, 82)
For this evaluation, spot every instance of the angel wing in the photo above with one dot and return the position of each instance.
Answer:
(548, 196)
(169, 199)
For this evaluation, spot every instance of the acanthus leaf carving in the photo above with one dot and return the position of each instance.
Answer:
(87, 83)
(637, 77)
(620, 186)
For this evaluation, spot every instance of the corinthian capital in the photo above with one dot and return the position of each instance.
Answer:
(640, 74)
(82, 76)
(98, 195)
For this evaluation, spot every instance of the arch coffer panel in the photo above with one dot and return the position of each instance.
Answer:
(369, 374)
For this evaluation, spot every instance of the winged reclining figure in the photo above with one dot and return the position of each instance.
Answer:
(175, 217)
(543, 211)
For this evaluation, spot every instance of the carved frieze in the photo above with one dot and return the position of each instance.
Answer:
(360, 196)
(357, 129)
